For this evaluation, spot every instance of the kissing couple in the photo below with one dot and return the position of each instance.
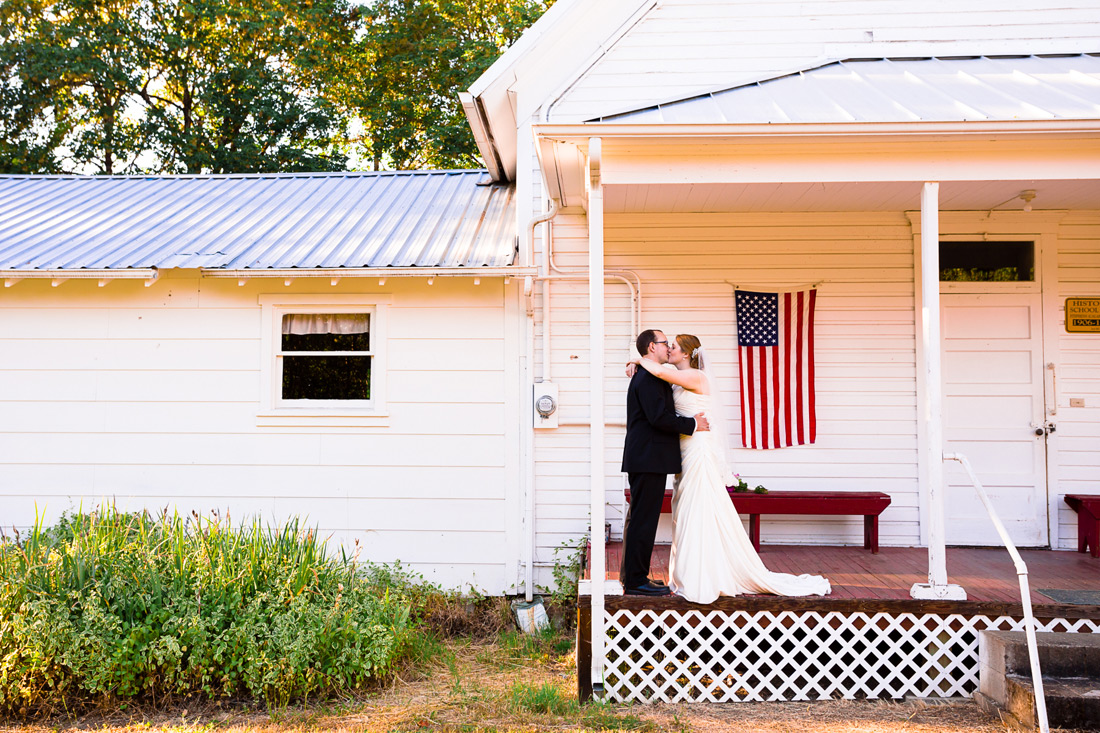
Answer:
(675, 425)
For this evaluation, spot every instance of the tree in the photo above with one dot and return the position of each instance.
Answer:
(191, 86)
(69, 70)
(122, 86)
(29, 126)
(422, 54)
(241, 85)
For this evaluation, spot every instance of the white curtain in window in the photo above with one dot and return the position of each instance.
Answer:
(308, 323)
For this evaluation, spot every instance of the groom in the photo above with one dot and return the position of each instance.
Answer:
(650, 454)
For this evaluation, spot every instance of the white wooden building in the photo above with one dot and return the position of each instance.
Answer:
(142, 354)
(683, 147)
(707, 145)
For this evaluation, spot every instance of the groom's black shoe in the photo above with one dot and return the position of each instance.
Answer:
(647, 589)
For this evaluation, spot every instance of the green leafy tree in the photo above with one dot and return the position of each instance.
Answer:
(113, 86)
(241, 85)
(190, 86)
(97, 51)
(69, 71)
(422, 54)
(31, 126)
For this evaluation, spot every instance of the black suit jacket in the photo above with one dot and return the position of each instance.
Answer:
(653, 428)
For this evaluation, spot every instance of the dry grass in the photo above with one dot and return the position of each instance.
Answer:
(512, 683)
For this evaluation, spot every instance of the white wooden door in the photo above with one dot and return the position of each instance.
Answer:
(993, 402)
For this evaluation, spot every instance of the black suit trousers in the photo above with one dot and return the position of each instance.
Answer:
(647, 493)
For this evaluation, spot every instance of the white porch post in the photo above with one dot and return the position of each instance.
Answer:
(596, 401)
(937, 586)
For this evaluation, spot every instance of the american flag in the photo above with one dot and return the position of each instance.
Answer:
(775, 340)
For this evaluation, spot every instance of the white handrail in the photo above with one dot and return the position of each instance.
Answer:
(1025, 591)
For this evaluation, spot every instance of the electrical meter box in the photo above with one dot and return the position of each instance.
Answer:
(546, 405)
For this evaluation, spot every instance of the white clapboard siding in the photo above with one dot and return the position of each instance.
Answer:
(683, 47)
(149, 397)
(1078, 370)
(866, 356)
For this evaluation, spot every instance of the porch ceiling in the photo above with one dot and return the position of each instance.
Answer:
(848, 196)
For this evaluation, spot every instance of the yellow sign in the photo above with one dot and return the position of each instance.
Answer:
(1082, 315)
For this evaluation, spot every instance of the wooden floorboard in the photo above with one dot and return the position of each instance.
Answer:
(987, 574)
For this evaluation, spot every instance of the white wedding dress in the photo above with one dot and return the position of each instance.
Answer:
(711, 552)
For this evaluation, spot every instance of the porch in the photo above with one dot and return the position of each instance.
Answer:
(868, 639)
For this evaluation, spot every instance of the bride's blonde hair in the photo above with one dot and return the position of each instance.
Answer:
(690, 345)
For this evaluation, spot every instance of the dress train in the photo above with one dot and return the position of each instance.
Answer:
(712, 554)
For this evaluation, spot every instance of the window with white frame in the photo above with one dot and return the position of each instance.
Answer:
(323, 355)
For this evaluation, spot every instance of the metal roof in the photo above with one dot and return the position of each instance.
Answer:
(437, 219)
(902, 90)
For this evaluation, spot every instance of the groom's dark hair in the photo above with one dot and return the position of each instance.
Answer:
(645, 338)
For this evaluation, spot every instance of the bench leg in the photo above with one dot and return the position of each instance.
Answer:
(870, 533)
(754, 531)
(1088, 533)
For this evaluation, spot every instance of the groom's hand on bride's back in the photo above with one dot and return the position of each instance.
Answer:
(701, 423)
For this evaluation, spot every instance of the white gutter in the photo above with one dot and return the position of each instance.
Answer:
(150, 275)
(293, 273)
(131, 273)
(483, 135)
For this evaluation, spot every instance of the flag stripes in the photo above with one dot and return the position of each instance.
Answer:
(775, 339)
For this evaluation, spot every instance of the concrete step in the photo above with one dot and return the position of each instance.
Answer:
(1060, 654)
(1072, 702)
(1070, 664)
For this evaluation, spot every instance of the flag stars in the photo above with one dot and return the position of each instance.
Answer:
(757, 318)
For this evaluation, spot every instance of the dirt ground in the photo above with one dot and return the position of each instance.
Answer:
(487, 686)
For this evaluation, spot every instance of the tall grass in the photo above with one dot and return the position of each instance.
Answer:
(107, 605)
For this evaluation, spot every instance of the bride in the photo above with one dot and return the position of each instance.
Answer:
(711, 552)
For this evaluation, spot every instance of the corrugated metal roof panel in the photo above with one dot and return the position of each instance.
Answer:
(902, 90)
(416, 218)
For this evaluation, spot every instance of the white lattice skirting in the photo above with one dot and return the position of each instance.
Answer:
(726, 656)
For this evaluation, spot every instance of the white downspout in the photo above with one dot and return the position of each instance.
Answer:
(544, 276)
(596, 347)
(529, 498)
(937, 587)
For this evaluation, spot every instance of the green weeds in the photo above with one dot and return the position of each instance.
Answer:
(548, 699)
(544, 699)
(569, 559)
(107, 606)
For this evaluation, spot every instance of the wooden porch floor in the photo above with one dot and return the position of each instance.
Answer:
(987, 574)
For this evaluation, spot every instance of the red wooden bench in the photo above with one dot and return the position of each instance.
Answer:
(1088, 521)
(869, 504)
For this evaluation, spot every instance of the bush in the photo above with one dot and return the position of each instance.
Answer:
(109, 605)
